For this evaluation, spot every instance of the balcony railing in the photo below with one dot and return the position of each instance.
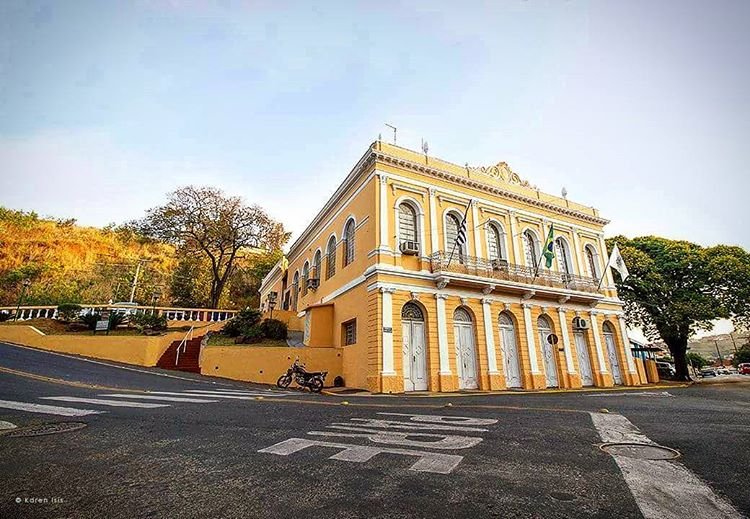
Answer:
(503, 271)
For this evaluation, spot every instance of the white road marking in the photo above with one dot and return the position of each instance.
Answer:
(46, 409)
(233, 396)
(428, 461)
(450, 420)
(166, 398)
(662, 489)
(6, 425)
(657, 394)
(100, 401)
(444, 441)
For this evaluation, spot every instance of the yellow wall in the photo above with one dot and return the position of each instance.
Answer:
(266, 364)
(129, 349)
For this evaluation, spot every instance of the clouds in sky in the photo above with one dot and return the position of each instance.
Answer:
(637, 108)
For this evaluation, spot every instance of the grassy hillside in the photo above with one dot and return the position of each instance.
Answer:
(68, 263)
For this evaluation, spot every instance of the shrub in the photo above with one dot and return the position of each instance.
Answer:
(153, 322)
(90, 320)
(68, 311)
(252, 335)
(274, 329)
(242, 323)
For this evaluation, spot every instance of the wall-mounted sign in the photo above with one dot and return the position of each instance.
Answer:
(387, 329)
(102, 326)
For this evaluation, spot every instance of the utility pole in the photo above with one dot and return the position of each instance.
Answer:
(731, 335)
(721, 361)
(135, 279)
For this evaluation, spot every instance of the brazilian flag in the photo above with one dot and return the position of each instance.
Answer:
(549, 248)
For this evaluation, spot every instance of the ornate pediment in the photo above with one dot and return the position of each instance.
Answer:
(502, 172)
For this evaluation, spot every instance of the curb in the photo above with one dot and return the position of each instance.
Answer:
(519, 392)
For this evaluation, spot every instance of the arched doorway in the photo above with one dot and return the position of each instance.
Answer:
(548, 351)
(609, 339)
(510, 351)
(584, 360)
(466, 356)
(415, 357)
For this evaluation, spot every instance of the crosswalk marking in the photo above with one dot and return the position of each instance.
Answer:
(212, 395)
(101, 401)
(46, 409)
(166, 398)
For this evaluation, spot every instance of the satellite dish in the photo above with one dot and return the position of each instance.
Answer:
(564, 193)
(425, 147)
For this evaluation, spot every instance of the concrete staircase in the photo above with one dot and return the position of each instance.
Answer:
(188, 359)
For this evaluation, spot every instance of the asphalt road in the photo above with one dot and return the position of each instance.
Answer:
(520, 455)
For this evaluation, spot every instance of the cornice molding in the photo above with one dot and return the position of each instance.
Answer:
(482, 186)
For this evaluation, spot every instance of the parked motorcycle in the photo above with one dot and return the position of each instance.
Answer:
(297, 372)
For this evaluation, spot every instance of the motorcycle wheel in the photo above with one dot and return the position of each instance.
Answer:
(284, 381)
(316, 385)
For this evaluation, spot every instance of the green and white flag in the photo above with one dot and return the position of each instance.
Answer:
(549, 248)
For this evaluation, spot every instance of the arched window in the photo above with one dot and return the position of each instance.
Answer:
(305, 277)
(317, 261)
(495, 241)
(563, 256)
(591, 259)
(331, 257)
(412, 312)
(461, 315)
(530, 248)
(349, 242)
(452, 226)
(607, 328)
(295, 291)
(407, 222)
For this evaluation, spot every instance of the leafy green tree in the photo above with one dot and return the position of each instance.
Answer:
(697, 360)
(742, 355)
(220, 228)
(677, 287)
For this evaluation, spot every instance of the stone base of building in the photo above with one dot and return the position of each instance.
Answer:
(448, 382)
(631, 379)
(603, 380)
(497, 382)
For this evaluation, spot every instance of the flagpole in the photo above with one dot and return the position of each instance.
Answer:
(604, 272)
(455, 243)
(541, 254)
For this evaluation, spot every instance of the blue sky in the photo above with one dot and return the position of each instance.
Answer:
(638, 108)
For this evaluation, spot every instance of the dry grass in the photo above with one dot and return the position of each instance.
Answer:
(217, 339)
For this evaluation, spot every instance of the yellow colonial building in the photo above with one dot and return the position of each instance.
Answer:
(377, 277)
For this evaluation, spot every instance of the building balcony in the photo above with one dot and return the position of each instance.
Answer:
(527, 281)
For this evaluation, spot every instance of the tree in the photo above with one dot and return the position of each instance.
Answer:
(206, 222)
(697, 360)
(742, 355)
(678, 287)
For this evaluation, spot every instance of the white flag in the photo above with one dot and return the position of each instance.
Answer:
(616, 262)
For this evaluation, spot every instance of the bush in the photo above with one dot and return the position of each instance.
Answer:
(90, 320)
(68, 311)
(252, 335)
(242, 323)
(153, 322)
(274, 329)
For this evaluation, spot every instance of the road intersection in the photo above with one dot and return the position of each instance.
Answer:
(160, 444)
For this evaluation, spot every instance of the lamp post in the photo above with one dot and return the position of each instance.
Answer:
(24, 285)
(271, 302)
(154, 298)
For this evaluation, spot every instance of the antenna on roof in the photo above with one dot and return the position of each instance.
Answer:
(425, 147)
(564, 193)
(394, 131)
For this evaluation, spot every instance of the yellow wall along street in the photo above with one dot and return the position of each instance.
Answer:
(377, 276)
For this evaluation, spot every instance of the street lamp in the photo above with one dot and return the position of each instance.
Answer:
(154, 298)
(24, 285)
(271, 302)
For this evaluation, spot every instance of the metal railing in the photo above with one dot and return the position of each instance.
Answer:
(172, 313)
(504, 271)
(183, 345)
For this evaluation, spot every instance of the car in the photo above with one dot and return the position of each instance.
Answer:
(665, 370)
(744, 368)
(707, 372)
(723, 371)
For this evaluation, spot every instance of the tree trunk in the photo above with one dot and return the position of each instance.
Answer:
(678, 349)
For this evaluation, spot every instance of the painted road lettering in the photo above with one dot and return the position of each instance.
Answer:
(407, 434)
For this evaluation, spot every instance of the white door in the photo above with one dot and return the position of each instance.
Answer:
(466, 356)
(609, 339)
(510, 352)
(548, 351)
(415, 360)
(584, 361)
